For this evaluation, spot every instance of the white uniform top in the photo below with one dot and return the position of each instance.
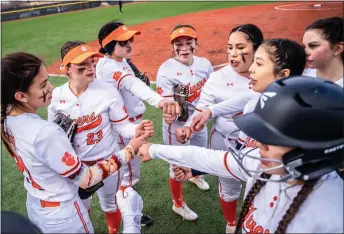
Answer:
(313, 73)
(173, 72)
(310, 72)
(96, 111)
(243, 138)
(45, 157)
(224, 84)
(321, 212)
(132, 89)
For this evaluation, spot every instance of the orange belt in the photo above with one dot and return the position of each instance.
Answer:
(133, 119)
(49, 204)
(91, 163)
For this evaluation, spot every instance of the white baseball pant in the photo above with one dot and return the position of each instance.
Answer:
(68, 217)
(198, 139)
(229, 188)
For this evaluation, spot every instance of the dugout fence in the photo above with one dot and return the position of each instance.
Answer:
(11, 11)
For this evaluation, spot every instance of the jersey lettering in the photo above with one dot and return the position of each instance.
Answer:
(250, 142)
(250, 226)
(21, 166)
(195, 90)
(117, 75)
(88, 122)
(23, 169)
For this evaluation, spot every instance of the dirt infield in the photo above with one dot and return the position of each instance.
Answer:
(284, 19)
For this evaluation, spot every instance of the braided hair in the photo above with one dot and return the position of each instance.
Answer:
(253, 33)
(255, 189)
(285, 54)
(301, 196)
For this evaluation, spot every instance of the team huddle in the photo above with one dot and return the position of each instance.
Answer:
(278, 128)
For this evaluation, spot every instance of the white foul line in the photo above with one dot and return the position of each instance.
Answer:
(220, 65)
(282, 7)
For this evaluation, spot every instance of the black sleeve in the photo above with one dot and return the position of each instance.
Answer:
(197, 173)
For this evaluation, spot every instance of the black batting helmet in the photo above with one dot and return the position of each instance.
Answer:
(302, 112)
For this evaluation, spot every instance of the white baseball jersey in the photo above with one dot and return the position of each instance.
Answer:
(132, 89)
(224, 84)
(96, 111)
(173, 72)
(313, 73)
(272, 202)
(310, 72)
(243, 138)
(45, 157)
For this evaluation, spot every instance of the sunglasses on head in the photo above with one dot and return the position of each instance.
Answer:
(125, 43)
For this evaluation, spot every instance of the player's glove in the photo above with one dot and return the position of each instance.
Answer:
(137, 72)
(68, 125)
(86, 193)
(181, 94)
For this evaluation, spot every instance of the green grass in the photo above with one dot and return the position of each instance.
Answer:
(44, 36)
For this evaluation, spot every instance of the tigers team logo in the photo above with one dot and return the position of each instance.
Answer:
(68, 159)
(117, 75)
(159, 90)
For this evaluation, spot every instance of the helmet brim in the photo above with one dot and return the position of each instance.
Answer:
(257, 128)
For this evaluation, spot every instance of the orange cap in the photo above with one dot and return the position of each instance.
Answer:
(183, 31)
(78, 55)
(121, 33)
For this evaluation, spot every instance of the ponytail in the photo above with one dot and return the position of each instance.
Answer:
(5, 138)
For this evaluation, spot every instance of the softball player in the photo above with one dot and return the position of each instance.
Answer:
(96, 108)
(116, 41)
(229, 83)
(274, 59)
(192, 72)
(324, 44)
(292, 172)
(52, 170)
